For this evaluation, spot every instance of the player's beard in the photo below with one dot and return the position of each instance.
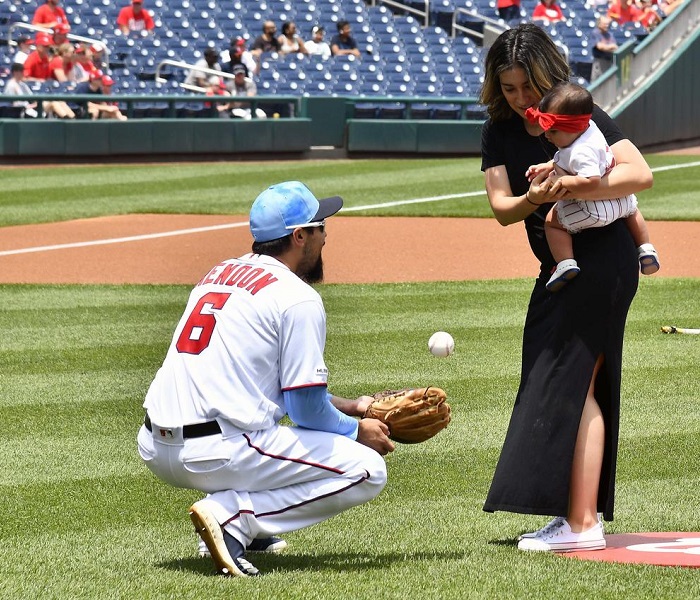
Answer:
(313, 273)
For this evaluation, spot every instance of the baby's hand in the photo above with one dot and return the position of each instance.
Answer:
(534, 170)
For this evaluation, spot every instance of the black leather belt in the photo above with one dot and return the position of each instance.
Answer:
(190, 431)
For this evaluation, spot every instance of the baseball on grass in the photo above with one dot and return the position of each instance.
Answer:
(441, 344)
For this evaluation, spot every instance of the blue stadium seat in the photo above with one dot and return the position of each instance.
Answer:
(392, 111)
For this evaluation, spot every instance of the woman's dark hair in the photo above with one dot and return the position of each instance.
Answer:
(286, 26)
(527, 47)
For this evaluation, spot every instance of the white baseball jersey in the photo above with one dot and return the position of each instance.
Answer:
(590, 156)
(251, 330)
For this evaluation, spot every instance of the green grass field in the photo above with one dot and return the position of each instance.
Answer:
(86, 519)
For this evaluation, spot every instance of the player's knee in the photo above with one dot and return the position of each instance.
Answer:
(376, 468)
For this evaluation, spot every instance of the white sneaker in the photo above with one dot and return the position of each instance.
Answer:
(553, 524)
(648, 259)
(562, 539)
(566, 270)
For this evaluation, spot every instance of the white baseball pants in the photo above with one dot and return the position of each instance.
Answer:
(576, 215)
(268, 482)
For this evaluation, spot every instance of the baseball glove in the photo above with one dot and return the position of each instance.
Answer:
(412, 415)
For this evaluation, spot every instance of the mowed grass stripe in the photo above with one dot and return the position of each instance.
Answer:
(37, 195)
(82, 503)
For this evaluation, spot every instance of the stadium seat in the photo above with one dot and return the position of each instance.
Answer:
(392, 111)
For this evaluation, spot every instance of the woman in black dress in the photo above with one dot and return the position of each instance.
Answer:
(560, 451)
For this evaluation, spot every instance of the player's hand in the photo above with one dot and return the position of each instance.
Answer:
(375, 434)
(363, 403)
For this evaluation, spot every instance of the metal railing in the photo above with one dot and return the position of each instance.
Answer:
(188, 66)
(70, 36)
(492, 27)
(129, 100)
(634, 65)
(423, 14)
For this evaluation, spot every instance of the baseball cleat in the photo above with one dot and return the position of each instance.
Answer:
(269, 545)
(226, 551)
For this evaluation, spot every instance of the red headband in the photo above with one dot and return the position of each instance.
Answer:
(567, 123)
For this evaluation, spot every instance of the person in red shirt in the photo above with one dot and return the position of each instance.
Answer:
(624, 11)
(508, 9)
(49, 15)
(84, 65)
(650, 16)
(61, 66)
(60, 34)
(134, 18)
(36, 67)
(548, 11)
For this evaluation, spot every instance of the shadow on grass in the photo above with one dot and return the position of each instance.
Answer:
(507, 542)
(334, 561)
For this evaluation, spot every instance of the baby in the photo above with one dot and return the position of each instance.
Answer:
(582, 160)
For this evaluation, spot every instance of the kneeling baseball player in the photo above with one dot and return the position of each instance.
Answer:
(247, 351)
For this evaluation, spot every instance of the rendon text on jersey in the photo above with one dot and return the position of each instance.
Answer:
(242, 276)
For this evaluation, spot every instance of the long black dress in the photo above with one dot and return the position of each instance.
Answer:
(564, 334)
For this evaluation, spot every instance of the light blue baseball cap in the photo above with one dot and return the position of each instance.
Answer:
(283, 207)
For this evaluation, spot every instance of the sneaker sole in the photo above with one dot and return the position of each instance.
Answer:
(563, 547)
(561, 281)
(210, 531)
(649, 265)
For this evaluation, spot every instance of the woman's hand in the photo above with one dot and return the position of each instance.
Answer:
(545, 187)
(535, 170)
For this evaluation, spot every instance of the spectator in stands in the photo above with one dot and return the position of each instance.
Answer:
(16, 86)
(548, 11)
(134, 18)
(624, 11)
(61, 66)
(243, 86)
(24, 48)
(36, 67)
(83, 64)
(49, 15)
(217, 87)
(238, 55)
(200, 78)
(343, 43)
(60, 34)
(508, 10)
(97, 50)
(317, 46)
(93, 86)
(604, 45)
(267, 41)
(106, 109)
(668, 6)
(650, 16)
(290, 41)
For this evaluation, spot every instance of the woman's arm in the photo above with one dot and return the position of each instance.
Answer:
(508, 208)
(630, 175)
